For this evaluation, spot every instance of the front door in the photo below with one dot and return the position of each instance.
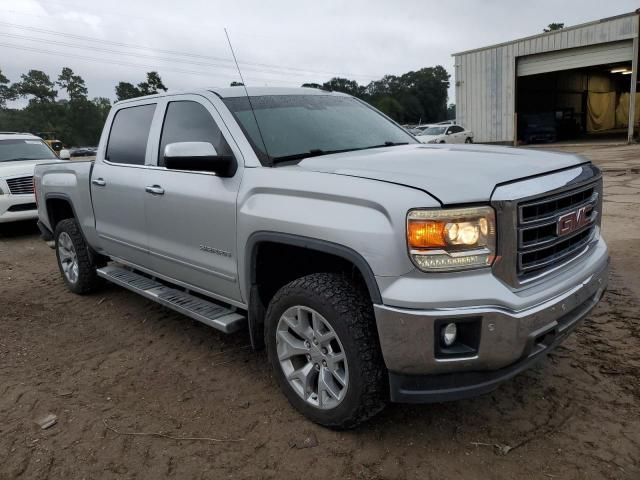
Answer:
(191, 216)
(118, 182)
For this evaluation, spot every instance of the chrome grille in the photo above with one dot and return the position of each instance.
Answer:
(554, 229)
(20, 185)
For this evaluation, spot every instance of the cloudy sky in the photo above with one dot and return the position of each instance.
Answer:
(278, 42)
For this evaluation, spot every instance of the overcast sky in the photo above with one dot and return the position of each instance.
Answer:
(278, 42)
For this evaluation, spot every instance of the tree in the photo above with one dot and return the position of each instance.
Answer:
(236, 84)
(7, 92)
(103, 105)
(411, 97)
(344, 85)
(553, 27)
(311, 85)
(37, 84)
(451, 111)
(126, 90)
(73, 84)
(152, 85)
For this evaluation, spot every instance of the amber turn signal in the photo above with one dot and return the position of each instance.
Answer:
(425, 234)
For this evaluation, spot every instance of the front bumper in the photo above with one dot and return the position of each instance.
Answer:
(511, 339)
(14, 208)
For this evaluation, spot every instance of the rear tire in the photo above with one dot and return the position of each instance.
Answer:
(76, 261)
(300, 320)
(468, 140)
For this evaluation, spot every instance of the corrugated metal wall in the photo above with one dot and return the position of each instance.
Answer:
(485, 78)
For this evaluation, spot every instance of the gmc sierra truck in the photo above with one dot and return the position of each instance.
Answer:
(372, 267)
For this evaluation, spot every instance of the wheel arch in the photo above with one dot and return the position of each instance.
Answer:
(59, 207)
(328, 250)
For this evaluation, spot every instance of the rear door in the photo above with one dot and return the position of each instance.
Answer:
(118, 185)
(192, 223)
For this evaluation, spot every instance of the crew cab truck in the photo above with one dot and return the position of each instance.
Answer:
(373, 268)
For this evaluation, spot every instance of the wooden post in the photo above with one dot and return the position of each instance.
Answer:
(634, 83)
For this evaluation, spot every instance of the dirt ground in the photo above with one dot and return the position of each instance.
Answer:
(112, 364)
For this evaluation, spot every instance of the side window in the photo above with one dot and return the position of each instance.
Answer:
(129, 133)
(187, 121)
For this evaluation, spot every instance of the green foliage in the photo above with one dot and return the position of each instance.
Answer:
(553, 27)
(344, 85)
(37, 85)
(311, 85)
(7, 92)
(451, 111)
(416, 96)
(126, 90)
(78, 121)
(73, 84)
(152, 85)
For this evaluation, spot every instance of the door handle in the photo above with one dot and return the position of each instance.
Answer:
(154, 190)
(99, 182)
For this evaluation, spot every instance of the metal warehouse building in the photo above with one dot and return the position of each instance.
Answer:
(577, 82)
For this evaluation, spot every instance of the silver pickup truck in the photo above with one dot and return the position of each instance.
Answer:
(372, 267)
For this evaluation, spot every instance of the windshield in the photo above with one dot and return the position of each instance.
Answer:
(299, 126)
(434, 131)
(24, 149)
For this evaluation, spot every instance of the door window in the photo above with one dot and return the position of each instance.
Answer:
(187, 121)
(456, 129)
(129, 133)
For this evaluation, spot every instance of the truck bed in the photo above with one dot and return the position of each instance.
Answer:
(68, 181)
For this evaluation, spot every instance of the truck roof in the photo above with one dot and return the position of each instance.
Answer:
(232, 92)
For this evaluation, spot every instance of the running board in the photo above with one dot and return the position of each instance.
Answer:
(222, 318)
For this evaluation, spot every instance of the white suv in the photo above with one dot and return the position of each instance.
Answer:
(19, 153)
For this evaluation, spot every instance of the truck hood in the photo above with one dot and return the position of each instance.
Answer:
(21, 168)
(450, 173)
(427, 138)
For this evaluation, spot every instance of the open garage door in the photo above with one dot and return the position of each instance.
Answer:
(571, 58)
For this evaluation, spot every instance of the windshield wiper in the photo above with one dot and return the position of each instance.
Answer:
(315, 152)
(385, 144)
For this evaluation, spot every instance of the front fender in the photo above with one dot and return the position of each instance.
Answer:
(367, 217)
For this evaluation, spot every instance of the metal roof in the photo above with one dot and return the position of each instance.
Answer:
(543, 34)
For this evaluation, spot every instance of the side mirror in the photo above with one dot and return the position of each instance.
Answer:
(64, 154)
(449, 132)
(198, 157)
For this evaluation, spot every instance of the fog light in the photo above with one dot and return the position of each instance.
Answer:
(449, 334)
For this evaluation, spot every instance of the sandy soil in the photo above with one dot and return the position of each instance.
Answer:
(112, 364)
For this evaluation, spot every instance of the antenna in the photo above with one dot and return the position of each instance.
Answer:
(248, 97)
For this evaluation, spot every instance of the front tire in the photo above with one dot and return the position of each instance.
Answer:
(76, 262)
(323, 346)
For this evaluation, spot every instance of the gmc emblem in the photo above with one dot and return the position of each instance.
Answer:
(572, 221)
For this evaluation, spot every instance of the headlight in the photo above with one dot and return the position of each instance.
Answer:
(451, 239)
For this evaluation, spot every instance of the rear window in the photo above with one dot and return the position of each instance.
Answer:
(129, 134)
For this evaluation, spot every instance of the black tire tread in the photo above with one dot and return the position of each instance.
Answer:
(88, 280)
(356, 311)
